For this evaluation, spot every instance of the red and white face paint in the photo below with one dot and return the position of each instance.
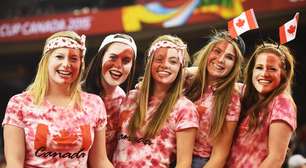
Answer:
(165, 66)
(220, 60)
(117, 63)
(266, 73)
(64, 66)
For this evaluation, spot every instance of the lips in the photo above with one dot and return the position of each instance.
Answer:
(264, 81)
(115, 74)
(163, 73)
(218, 66)
(64, 74)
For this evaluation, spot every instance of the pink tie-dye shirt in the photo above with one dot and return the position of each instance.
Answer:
(152, 153)
(112, 105)
(250, 149)
(203, 146)
(56, 136)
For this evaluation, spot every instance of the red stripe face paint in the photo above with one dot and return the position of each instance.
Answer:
(117, 63)
(266, 73)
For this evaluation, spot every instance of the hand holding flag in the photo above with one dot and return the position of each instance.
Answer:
(287, 31)
(244, 22)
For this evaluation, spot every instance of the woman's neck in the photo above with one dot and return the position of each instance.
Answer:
(160, 91)
(107, 89)
(59, 95)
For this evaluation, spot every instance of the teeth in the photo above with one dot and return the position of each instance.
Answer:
(263, 81)
(163, 73)
(115, 74)
(64, 72)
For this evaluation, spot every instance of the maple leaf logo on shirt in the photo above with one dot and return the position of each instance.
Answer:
(240, 23)
(291, 29)
(65, 138)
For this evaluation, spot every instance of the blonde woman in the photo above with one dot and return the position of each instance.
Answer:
(53, 123)
(157, 120)
(268, 113)
(213, 92)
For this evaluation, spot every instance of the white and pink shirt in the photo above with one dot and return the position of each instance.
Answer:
(250, 149)
(112, 105)
(203, 145)
(138, 152)
(56, 136)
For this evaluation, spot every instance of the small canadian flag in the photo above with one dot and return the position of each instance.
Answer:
(287, 31)
(244, 22)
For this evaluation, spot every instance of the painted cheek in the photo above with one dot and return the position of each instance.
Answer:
(107, 65)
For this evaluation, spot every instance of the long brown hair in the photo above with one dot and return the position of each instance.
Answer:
(252, 106)
(224, 87)
(163, 111)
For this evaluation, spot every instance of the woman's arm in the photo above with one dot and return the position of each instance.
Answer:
(97, 154)
(222, 145)
(14, 146)
(184, 145)
(279, 137)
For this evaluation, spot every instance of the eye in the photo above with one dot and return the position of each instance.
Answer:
(174, 61)
(217, 50)
(59, 56)
(126, 60)
(158, 59)
(74, 58)
(230, 57)
(258, 67)
(113, 57)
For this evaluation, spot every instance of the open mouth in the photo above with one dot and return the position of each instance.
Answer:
(64, 74)
(163, 73)
(115, 74)
(264, 81)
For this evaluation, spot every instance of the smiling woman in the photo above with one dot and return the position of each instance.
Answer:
(157, 122)
(54, 123)
(109, 68)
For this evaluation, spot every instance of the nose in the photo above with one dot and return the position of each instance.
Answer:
(66, 62)
(118, 63)
(220, 58)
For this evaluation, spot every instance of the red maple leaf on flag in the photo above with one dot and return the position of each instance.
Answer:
(240, 23)
(291, 29)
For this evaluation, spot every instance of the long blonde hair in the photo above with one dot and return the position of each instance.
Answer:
(161, 115)
(38, 89)
(250, 99)
(224, 87)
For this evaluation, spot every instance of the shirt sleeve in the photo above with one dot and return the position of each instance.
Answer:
(187, 115)
(101, 119)
(14, 114)
(283, 109)
(234, 107)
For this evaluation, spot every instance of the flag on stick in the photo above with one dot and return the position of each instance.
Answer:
(287, 31)
(244, 22)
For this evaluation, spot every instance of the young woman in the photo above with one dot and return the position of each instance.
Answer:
(213, 92)
(268, 113)
(109, 69)
(157, 121)
(53, 123)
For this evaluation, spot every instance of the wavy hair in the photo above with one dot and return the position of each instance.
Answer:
(224, 86)
(252, 106)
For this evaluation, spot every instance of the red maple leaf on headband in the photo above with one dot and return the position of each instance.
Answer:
(240, 23)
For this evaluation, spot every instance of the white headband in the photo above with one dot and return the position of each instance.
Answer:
(120, 38)
(169, 44)
(59, 42)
